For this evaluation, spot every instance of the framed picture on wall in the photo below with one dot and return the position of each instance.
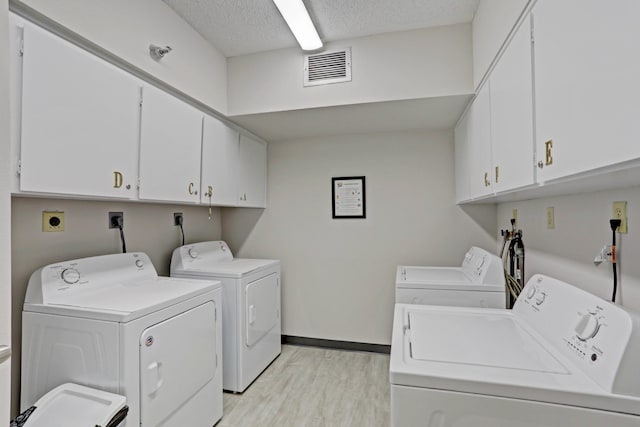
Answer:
(348, 197)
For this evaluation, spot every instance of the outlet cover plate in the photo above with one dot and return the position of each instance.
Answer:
(115, 214)
(620, 212)
(52, 221)
(551, 220)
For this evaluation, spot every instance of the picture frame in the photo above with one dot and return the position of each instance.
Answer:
(348, 195)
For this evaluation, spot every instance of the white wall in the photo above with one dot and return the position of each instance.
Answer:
(338, 276)
(392, 66)
(148, 228)
(5, 216)
(126, 28)
(492, 23)
(581, 229)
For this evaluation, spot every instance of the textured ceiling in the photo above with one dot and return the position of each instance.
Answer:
(238, 27)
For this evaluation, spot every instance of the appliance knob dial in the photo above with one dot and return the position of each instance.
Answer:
(531, 292)
(139, 263)
(193, 253)
(587, 327)
(540, 298)
(70, 275)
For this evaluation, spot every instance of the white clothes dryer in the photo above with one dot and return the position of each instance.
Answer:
(110, 323)
(561, 357)
(478, 282)
(251, 326)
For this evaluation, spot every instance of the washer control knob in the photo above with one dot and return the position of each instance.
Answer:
(587, 327)
(70, 275)
(540, 298)
(193, 253)
(139, 263)
(531, 292)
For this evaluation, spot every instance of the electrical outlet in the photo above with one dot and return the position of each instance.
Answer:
(620, 212)
(177, 218)
(52, 221)
(514, 215)
(113, 219)
(551, 221)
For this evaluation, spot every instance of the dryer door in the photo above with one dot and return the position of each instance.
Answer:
(177, 358)
(263, 307)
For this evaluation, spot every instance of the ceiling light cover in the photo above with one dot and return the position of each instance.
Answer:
(299, 21)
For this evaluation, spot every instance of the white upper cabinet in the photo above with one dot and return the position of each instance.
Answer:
(220, 145)
(252, 173)
(512, 115)
(170, 148)
(461, 153)
(79, 121)
(479, 144)
(587, 85)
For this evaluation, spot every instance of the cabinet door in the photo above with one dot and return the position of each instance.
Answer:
(219, 163)
(479, 144)
(512, 115)
(252, 173)
(80, 115)
(462, 159)
(586, 84)
(170, 146)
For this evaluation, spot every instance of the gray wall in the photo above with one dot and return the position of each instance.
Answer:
(148, 228)
(581, 229)
(338, 276)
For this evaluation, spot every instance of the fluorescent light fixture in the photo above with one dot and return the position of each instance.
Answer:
(299, 21)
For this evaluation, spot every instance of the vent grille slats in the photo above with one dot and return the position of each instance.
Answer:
(330, 67)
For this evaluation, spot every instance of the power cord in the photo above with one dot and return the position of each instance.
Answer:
(118, 222)
(178, 220)
(615, 223)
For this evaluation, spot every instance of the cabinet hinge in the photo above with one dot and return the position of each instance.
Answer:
(19, 167)
(141, 97)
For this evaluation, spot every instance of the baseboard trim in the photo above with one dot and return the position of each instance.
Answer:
(337, 345)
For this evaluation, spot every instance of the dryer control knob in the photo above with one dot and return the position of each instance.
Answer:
(531, 292)
(587, 327)
(540, 298)
(193, 253)
(139, 263)
(70, 275)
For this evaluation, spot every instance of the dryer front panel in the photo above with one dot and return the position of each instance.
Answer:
(177, 359)
(262, 308)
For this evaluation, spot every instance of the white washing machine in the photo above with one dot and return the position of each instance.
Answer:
(561, 357)
(478, 282)
(251, 331)
(110, 323)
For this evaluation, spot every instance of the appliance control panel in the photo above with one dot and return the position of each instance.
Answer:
(58, 280)
(482, 267)
(190, 256)
(591, 332)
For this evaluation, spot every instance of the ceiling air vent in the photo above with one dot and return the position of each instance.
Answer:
(327, 67)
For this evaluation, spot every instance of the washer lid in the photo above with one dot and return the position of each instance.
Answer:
(450, 278)
(72, 405)
(236, 268)
(126, 301)
(478, 339)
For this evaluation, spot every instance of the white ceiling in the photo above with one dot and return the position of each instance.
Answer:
(239, 27)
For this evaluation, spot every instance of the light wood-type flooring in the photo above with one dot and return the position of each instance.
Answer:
(307, 386)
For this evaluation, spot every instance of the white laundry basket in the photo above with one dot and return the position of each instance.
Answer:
(73, 405)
